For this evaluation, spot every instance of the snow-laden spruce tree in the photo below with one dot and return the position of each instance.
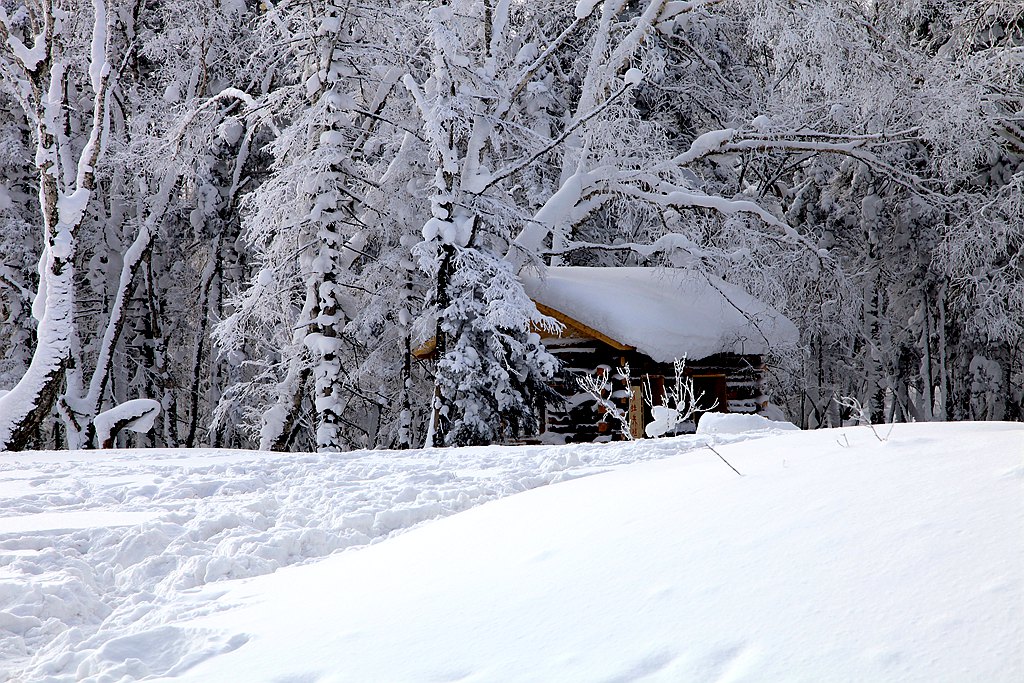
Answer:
(489, 364)
(494, 372)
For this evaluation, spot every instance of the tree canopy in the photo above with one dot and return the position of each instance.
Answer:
(252, 212)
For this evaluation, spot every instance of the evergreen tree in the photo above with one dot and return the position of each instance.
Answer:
(495, 372)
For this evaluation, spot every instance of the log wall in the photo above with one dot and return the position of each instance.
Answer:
(734, 381)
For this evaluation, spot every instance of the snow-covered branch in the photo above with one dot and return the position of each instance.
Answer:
(137, 415)
(566, 134)
(601, 388)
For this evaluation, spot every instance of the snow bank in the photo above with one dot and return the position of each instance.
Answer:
(878, 562)
(99, 550)
(835, 557)
(740, 423)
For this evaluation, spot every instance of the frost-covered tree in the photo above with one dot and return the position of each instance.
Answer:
(334, 186)
(20, 243)
(324, 232)
(902, 229)
(495, 372)
(530, 116)
(111, 160)
(43, 43)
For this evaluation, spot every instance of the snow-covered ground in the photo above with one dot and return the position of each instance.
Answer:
(95, 545)
(835, 557)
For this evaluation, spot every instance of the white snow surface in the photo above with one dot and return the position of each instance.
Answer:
(98, 546)
(666, 313)
(836, 556)
(740, 423)
(585, 7)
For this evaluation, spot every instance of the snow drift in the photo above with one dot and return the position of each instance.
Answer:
(837, 556)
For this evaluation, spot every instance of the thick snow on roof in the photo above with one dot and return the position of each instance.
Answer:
(665, 313)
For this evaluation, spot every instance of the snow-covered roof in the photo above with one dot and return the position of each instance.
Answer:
(665, 313)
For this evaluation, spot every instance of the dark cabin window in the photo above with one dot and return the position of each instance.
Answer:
(709, 391)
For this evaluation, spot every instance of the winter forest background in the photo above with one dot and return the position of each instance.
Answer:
(251, 212)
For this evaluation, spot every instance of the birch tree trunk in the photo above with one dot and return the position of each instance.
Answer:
(63, 207)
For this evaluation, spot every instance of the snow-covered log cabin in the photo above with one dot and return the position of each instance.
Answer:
(648, 318)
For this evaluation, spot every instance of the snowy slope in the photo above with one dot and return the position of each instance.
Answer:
(94, 545)
(835, 557)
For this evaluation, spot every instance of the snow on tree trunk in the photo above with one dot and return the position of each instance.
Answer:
(24, 407)
(63, 208)
(856, 165)
(138, 415)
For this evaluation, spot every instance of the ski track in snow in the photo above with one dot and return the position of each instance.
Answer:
(97, 546)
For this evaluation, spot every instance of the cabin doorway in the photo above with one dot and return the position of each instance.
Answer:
(709, 395)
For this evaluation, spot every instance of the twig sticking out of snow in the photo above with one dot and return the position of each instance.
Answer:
(679, 403)
(857, 412)
(712, 449)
